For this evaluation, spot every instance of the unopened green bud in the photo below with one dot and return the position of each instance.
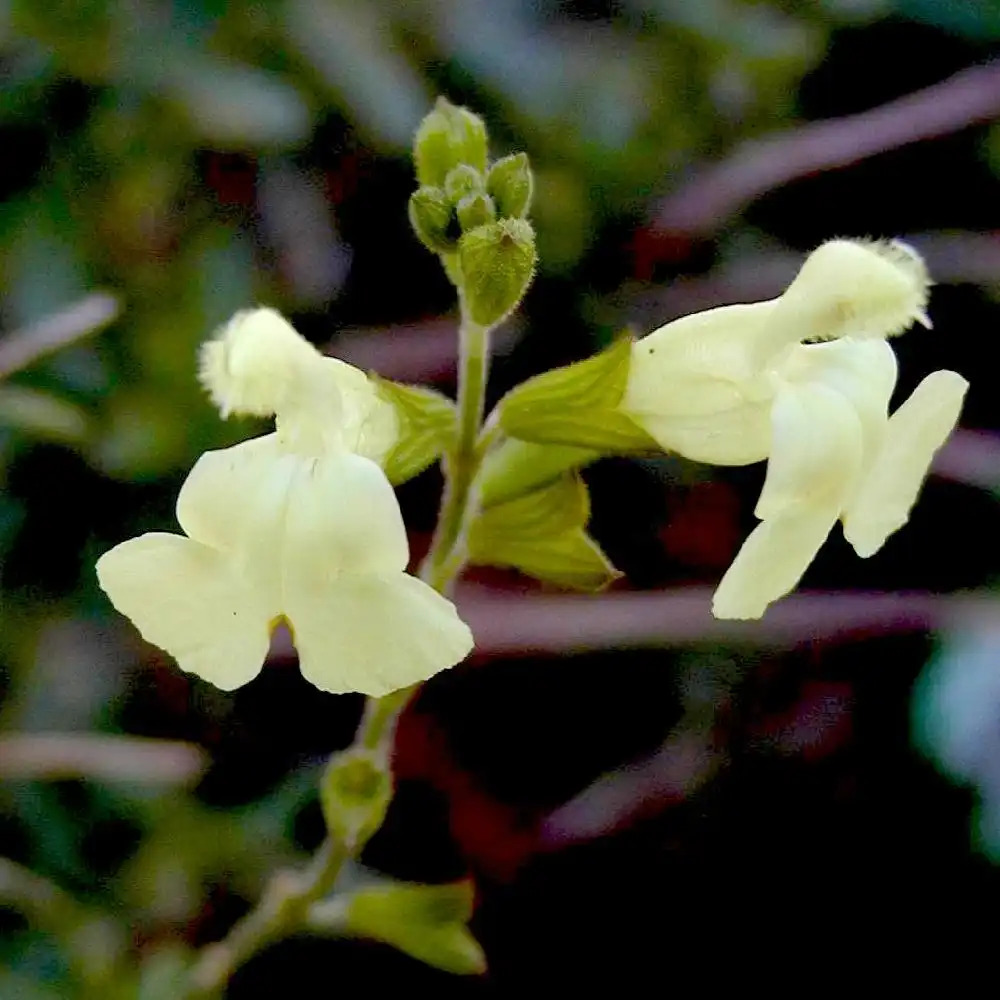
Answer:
(497, 262)
(430, 216)
(475, 210)
(448, 136)
(354, 794)
(510, 184)
(462, 181)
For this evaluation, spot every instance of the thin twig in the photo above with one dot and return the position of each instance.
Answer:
(701, 205)
(59, 756)
(24, 347)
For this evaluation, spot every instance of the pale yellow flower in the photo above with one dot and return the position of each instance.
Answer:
(736, 385)
(300, 525)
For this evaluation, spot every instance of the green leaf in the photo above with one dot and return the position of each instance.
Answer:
(542, 534)
(42, 415)
(233, 105)
(578, 405)
(517, 467)
(426, 922)
(426, 427)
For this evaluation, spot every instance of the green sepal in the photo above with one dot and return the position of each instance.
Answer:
(497, 263)
(517, 467)
(448, 135)
(426, 922)
(510, 183)
(426, 427)
(430, 214)
(578, 405)
(354, 795)
(543, 535)
(475, 210)
(463, 181)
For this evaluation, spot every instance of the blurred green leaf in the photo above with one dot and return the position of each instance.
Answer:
(235, 106)
(42, 415)
(427, 922)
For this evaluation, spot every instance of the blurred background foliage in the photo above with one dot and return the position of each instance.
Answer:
(715, 795)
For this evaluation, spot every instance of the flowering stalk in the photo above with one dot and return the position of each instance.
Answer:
(446, 557)
(284, 906)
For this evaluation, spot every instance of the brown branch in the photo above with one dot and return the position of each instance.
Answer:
(58, 756)
(701, 205)
(24, 347)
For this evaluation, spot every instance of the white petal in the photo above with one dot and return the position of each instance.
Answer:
(255, 363)
(915, 431)
(374, 634)
(697, 365)
(342, 517)
(862, 371)
(185, 598)
(370, 424)
(816, 453)
(738, 436)
(233, 496)
(772, 561)
(849, 288)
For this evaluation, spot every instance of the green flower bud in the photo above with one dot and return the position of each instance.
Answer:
(462, 181)
(498, 263)
(430, 216)
(510, 183)
(475, 210)
(354, 794)
(448, 136)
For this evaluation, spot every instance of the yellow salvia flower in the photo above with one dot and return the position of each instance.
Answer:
(299, 525)
(736, 385)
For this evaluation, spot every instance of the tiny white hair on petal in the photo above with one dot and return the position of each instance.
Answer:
(254, 363)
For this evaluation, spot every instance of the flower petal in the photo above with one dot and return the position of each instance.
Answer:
(848, 288)
(772, 561)
(698, 364)
(862, 371)
(374, 633)
(233, 495)
(915, 432)
(370, 425)
(342, 517)
(737, 436)
(185, 598)
(816, 451)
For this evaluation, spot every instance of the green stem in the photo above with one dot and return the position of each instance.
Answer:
(440, 567)
(285, 903)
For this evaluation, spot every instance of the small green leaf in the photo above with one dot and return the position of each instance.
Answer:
(426, 427)
(42, 415)
(426, 922)
(517, 467)
(578, 405)
(543, 535)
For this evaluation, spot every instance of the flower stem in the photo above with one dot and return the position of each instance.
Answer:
(445, 559)
(284, 905)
